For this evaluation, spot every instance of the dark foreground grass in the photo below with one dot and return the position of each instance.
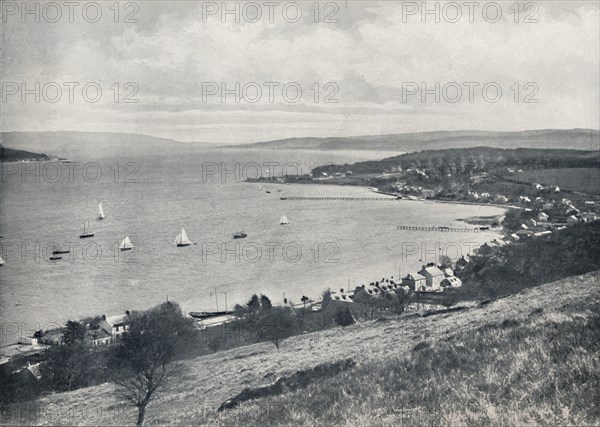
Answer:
(544, 370)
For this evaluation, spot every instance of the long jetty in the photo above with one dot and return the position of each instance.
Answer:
(451, 229)
(340, 198)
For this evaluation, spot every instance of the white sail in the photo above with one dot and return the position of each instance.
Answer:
(182, 238)
(284, 220)
(101, 216)
(126, 243)
(1, 261)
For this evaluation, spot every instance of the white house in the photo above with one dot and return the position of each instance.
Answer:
(572, 220)
(451, 282)
(433, 277)
(542, 216)
(115, 325)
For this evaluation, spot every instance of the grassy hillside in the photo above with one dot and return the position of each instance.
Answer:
(582, 139)
(526, 358)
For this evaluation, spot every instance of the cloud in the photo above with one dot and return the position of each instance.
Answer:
(369, 53)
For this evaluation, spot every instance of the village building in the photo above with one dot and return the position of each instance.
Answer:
(514, 237)
(589, 216)
(572, 220)
(451, 282)
(29, 375)
(115, 325)
(433, 276)
(524, 234)
(542, 216)
(415, 281)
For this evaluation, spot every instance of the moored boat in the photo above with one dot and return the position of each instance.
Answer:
(283, 220)
(86, 233)
(239, 235)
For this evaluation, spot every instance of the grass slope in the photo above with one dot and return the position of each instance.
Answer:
(527, 358)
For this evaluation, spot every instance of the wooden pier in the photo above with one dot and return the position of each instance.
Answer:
(449, 229)
(340, 198)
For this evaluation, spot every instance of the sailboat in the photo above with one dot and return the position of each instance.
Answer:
(1, 261)
(283, 220)
(101, 215)
(126, 244)
(85, 233)
(240, 235)
(182, 239)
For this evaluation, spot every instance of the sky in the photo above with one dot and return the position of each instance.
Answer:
(191, 72)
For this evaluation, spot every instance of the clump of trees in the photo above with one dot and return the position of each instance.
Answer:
(532, 262)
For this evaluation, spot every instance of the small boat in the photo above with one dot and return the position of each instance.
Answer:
(1, 261)
(182, 239)
(85, 233)
(55, 257)
(268, 192)
(239, 235)
(484, 228)
(60, 251)
(283, 220)
(101, 215)
(126, 244)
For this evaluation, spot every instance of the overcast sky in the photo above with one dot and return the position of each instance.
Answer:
(367, 61)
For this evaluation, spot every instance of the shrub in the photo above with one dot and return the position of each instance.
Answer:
(343, 317)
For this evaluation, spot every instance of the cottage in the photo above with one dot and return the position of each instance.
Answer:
(572, 220)
(29, 375)
(514, 237)
(525, 199)
(524, 234)
(542, 216)
(415, 282)
(451, 282)
(115, 325)
(589, 216)
(572, 210)
(433, 276)
(531, 222)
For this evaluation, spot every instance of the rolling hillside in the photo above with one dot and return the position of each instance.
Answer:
(581, 139)
(519, 360)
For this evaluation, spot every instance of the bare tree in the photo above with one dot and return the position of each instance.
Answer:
(147, 353)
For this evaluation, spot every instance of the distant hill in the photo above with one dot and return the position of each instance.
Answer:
(581, 139)
(12, 155)
(73, 144)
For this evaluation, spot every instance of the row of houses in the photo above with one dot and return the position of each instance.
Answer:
(431, 278)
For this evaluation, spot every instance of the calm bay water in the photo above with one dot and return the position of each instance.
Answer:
(326, 244)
